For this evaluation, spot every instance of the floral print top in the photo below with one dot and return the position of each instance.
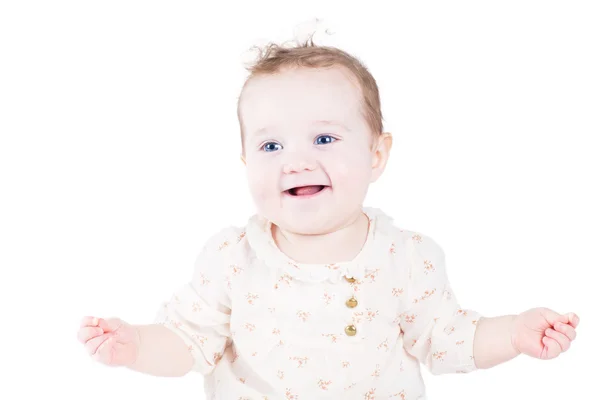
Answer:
(261, 326)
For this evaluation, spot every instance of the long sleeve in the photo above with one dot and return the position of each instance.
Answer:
(199, 312)
(437, 331)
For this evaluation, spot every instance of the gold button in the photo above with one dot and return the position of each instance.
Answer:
(350, 330)
(350, 279)
(352, 302)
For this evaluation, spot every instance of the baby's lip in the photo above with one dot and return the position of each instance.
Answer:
(311, 189)
(300, 185)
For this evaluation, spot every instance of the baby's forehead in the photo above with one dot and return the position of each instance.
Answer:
(303, 81)
(300, 97)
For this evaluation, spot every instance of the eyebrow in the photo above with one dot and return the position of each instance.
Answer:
(265, 129)
(327, 122)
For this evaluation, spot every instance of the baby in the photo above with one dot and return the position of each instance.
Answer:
(318, 296)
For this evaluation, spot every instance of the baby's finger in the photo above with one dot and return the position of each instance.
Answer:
(105, 351)
(95, 321)
(573, 319)
(93, 344)
(561, 339)
(566, 330)
(86, 333)
(552, 349)
(88, 321)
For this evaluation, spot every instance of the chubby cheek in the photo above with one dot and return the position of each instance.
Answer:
(351, 175)
(262, 185)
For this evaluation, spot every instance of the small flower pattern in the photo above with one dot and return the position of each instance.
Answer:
(289, 395)
(284, 280)
(250, 297)
(323, 384)
(377, 371)
(303, 315)
(300, 361)
(428, 267)
(235, 270)
(249, 306)
(332, 336)
(327, 298)
(370, 395)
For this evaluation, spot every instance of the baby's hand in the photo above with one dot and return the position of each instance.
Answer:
(543, 333)
(110, 341)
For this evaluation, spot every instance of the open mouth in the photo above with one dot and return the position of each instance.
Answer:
(305, 191)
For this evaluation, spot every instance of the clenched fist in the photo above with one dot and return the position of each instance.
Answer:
(111, 341)
(543, 333)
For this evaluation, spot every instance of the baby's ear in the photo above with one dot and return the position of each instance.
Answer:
(381, 154)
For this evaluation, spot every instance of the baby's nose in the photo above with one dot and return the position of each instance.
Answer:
(299, 166)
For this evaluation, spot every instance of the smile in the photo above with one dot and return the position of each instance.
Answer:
(306, 191)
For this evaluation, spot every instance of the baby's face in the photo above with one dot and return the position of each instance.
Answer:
(307, 148)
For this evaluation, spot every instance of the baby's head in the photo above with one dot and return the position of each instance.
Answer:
(312, 136)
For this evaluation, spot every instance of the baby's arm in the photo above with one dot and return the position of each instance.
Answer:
(161, 352)
(492, 343)
(448, 338)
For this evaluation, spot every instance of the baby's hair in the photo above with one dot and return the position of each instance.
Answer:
(273, 58)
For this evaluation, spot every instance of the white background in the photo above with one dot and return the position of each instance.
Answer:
(119, 157)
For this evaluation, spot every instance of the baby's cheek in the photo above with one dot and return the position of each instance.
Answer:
(256, 180)
(352, 160)
(263, 187)
(259, 193)
(353, 175)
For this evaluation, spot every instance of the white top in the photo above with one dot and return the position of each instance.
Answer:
(261, 326)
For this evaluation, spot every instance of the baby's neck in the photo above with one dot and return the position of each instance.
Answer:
(341, 245)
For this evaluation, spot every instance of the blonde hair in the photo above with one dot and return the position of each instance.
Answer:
(273, 58)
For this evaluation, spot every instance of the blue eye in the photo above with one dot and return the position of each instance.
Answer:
(325, 139)
(271, 146)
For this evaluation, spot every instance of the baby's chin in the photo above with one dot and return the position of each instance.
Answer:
(309, 223)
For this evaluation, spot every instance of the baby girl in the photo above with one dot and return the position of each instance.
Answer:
(318, 296)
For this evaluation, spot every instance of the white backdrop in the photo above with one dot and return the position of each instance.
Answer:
(119, 157)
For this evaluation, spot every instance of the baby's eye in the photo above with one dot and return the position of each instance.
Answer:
(325, 139)
(271, 146)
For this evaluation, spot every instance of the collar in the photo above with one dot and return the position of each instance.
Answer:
(260, 238)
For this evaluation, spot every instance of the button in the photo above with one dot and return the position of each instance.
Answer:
(352, 302)
(350, 330)
(350, 279)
